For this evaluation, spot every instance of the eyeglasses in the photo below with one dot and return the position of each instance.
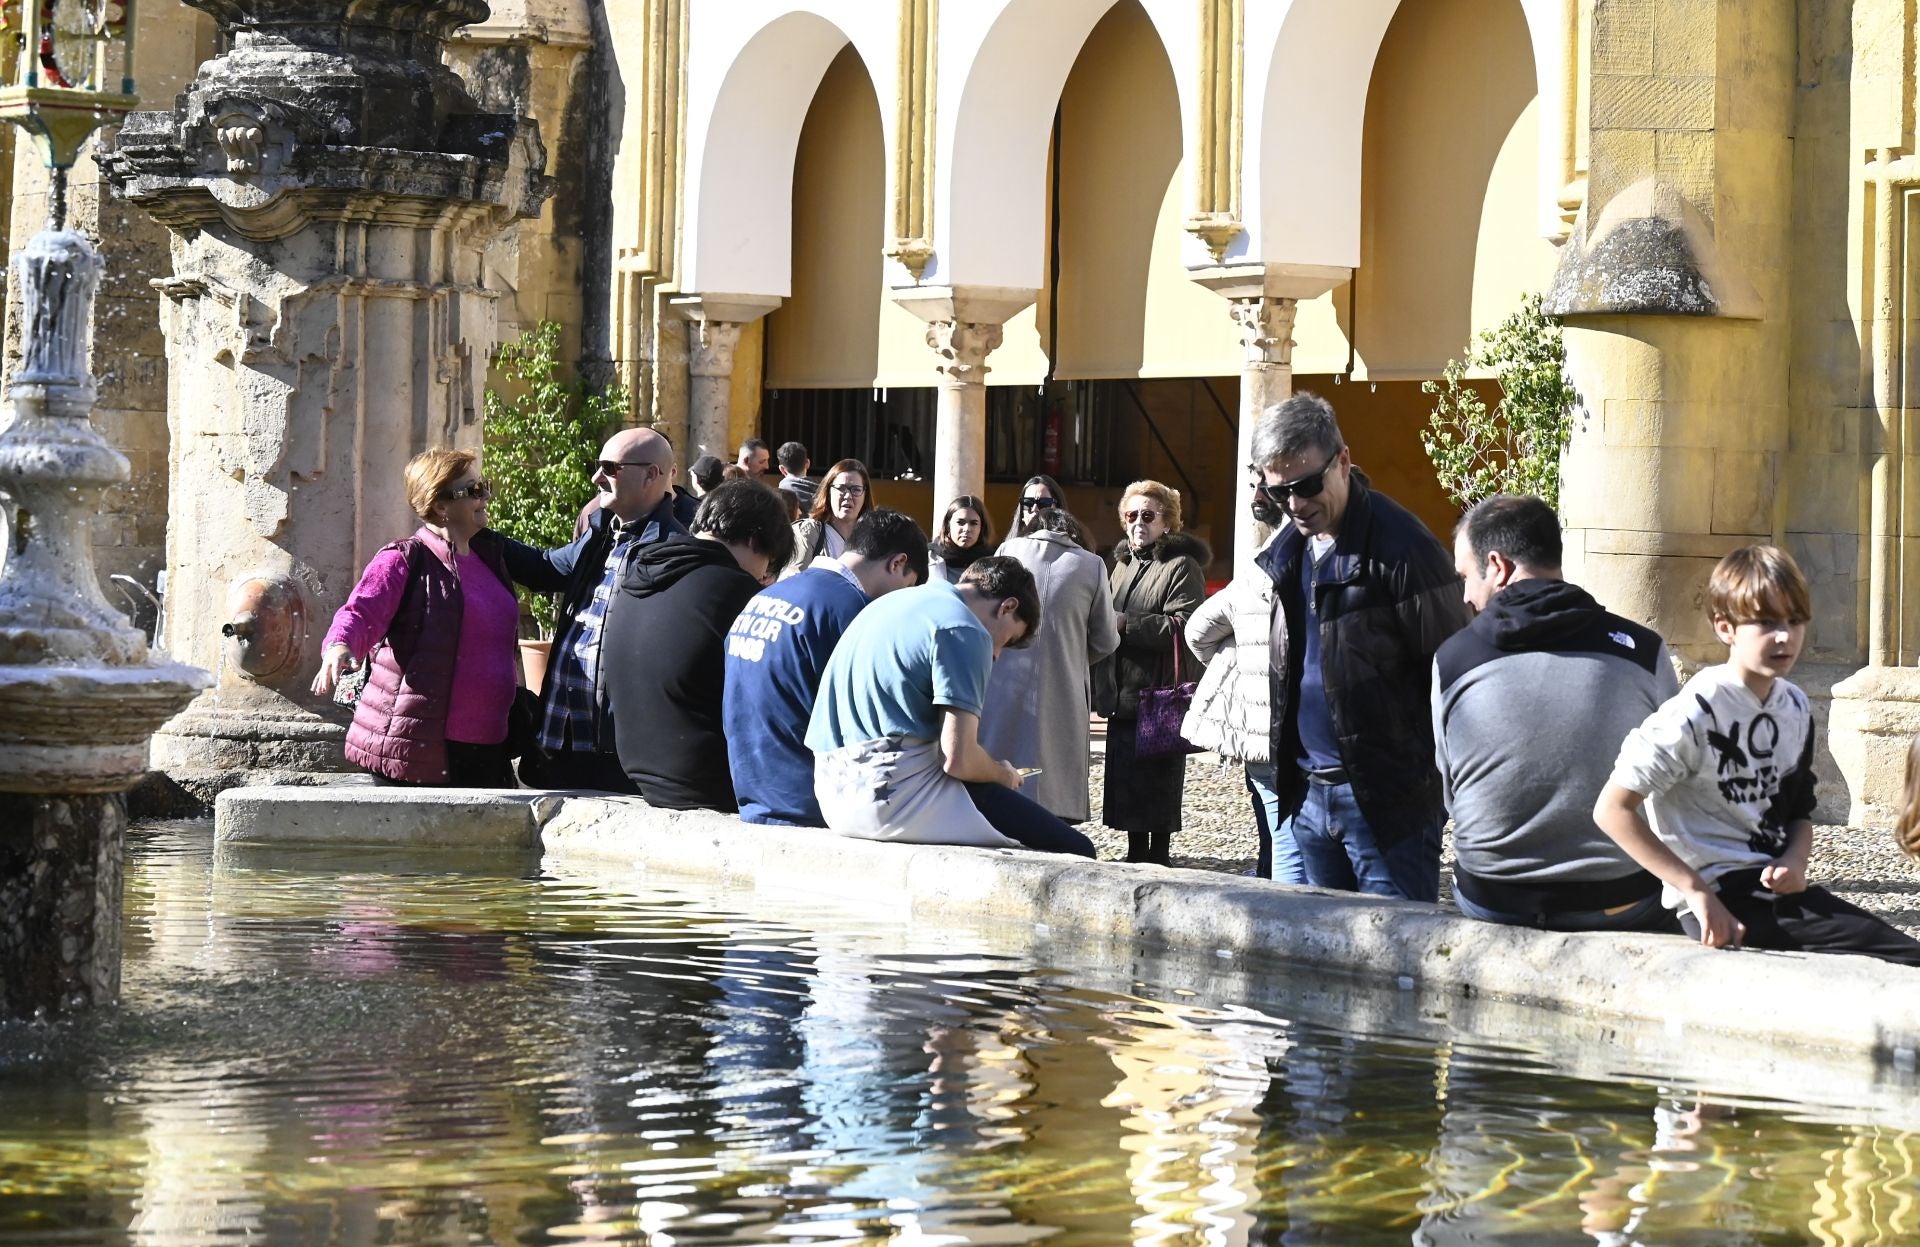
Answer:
(611, 467)
(849, 491)
(1308, 486)
(479, 491)
(1037, 504)
(1140, 517)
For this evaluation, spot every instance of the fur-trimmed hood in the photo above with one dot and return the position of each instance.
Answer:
(1171, 546)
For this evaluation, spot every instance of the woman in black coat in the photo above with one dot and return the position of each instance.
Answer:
(1157, 582)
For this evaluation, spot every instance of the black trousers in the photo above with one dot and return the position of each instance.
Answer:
(1813, 921)
(576, 768)
(468, 766)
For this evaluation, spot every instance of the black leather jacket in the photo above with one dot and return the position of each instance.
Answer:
(1388, 600)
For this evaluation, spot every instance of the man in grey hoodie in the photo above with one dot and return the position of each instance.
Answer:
(1530, 703)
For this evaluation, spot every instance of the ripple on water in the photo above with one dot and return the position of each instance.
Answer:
(367, 1048)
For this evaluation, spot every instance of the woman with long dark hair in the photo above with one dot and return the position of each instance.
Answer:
(845, 494)
(966, 534)
(1038, 496)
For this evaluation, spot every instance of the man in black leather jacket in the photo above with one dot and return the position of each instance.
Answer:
(1363, 596)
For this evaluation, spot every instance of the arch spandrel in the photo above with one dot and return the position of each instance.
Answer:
(1308, 67)
(1003, 65)
(753, 71)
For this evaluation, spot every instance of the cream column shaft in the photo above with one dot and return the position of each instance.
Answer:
(1266, 378)
(960, 441)
(710, 392)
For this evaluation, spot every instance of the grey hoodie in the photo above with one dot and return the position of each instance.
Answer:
(1530, 703)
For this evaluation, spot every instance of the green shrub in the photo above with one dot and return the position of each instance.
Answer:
(1514, 448)
(542, 437)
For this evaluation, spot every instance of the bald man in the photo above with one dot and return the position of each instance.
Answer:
(635, 478)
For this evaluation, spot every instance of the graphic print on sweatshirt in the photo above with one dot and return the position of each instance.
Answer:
(1750, 772)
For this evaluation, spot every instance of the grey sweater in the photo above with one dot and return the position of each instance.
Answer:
(1530, 704)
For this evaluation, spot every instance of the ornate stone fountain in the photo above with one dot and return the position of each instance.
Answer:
(80, 693)
(331, 188)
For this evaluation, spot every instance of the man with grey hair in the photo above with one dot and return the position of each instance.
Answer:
(1363, 596)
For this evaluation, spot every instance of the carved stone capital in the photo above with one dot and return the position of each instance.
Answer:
(712, 344)
(963, 347)
(1266, 329)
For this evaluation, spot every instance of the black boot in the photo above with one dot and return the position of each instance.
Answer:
(1139, 847)
(1161, 851)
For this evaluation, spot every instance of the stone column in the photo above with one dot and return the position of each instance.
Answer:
(529, 59)
(712, 335)
(1263, 300)
(964, 326)
(331, 188)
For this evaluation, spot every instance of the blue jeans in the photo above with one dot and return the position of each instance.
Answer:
(1019, 817)
(1279, 855)
(1341, 851)
(1646, 914)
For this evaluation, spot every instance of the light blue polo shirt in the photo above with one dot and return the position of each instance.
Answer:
(902, 658)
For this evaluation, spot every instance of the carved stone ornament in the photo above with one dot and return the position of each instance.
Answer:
(963, 347)
(1266, 329)
(711, 346)
(241, 136)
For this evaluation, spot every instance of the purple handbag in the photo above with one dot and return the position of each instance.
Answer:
(1163, 710)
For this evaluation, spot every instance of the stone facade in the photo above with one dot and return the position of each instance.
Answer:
(330, 188)
(1727, 183)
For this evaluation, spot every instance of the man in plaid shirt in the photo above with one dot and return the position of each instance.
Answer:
(635, 479)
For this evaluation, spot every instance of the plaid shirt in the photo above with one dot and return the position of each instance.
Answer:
(572, 711)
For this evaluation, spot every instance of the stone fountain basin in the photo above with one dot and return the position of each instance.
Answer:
(1851, 1006)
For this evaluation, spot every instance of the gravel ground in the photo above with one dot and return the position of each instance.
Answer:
(1862, 866)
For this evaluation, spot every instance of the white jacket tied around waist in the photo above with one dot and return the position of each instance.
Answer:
(1232, 710)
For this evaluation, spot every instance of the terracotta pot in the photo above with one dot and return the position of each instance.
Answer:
(533, 662)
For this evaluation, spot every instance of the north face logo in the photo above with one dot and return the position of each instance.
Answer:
(1621, 638)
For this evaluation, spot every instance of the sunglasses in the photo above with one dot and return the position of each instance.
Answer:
(1308, 486)
(479, 491)
(1140, 517)
(611, 467)
(1037, 504)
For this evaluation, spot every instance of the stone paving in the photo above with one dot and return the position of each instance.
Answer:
(1861, 865)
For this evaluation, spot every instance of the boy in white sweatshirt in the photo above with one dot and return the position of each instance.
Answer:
(1724, 773)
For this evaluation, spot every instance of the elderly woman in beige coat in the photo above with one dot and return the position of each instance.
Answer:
(1039, 697)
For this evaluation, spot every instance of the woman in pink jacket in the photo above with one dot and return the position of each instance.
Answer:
(436, 616)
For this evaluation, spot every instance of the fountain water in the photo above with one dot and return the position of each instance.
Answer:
(80, 692)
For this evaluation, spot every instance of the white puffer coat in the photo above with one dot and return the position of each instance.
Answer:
(1232, 708)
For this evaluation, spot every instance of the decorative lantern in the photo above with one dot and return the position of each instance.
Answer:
(71, 70)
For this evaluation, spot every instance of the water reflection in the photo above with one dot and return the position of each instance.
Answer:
(360, 1050)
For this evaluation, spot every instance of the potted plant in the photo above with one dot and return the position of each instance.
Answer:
(1515, 447)
(542, 433)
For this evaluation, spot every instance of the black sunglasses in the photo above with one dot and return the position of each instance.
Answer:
(611, 467)
(479, 490)
(1037, 504)
(1308, 486)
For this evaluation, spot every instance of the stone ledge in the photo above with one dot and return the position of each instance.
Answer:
(1839, 1004)
(347, 814)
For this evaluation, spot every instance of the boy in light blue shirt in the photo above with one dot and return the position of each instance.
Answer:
(895, 731)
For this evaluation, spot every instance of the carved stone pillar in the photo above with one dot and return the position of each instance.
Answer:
(1263, 300)
(330, 187)
(964, 326)
(711, 338)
